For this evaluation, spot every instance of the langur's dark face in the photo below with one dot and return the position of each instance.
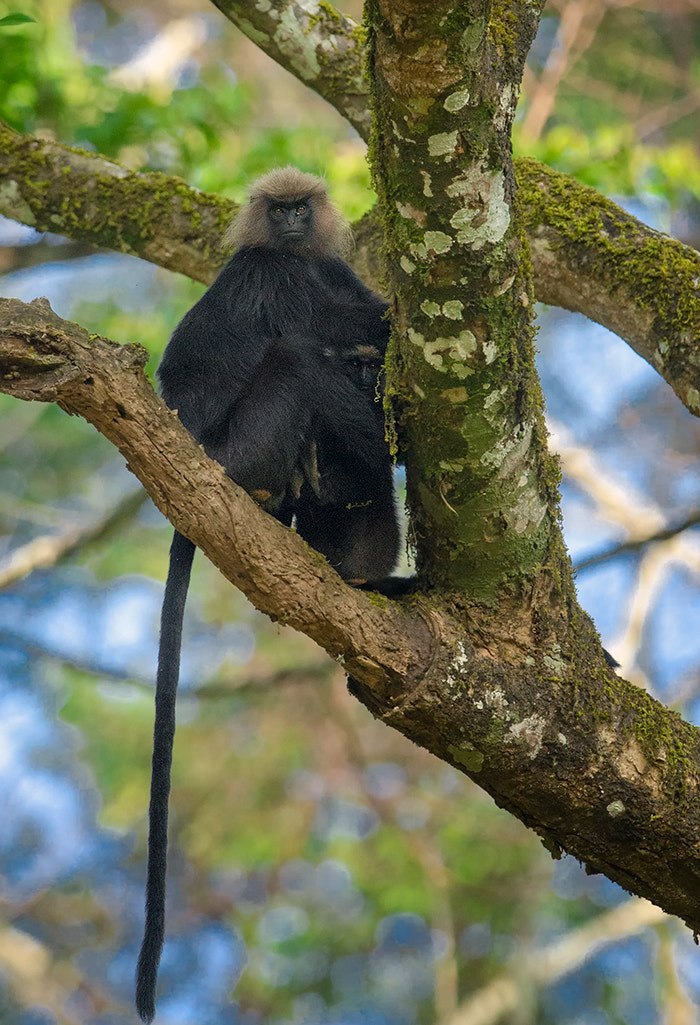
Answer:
(290, 222)
(363, 366)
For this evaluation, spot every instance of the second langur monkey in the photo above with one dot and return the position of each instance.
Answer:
(275, 371)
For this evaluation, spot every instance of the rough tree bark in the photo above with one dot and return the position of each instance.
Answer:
(498, 671)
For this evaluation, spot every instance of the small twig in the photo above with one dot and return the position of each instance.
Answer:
(577, 28)
(541, 968)
(43, 552)
(636, 544)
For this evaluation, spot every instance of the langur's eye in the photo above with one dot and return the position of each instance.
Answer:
(301, 209)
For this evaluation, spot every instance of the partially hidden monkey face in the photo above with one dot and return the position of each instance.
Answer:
(362, 364)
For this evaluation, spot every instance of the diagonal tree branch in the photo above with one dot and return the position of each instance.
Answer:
(592, 257)
(48, 550)
(593, 764)
(504, 995)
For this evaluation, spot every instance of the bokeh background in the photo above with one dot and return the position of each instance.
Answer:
(323, 870)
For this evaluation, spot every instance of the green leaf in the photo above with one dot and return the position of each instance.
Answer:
(16, 19)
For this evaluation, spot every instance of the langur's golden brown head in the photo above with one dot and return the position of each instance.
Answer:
(289, 209)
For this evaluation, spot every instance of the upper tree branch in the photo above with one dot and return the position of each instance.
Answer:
(89, 198)
(316, 43)
(591, 257)
(577, 240)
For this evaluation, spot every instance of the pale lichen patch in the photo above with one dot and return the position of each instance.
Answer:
(529, 733)
(693, 398)
(453, 309)
(461, 659)
(406, 265)
(505, 285)
(554, 661)
(632, 761)
(485, 215)
(13, 205)
(493, 397)
(411, 213)
(430, 309)
(438, 241)
(427, 184)
(450, 354)
(490, 350)
(438, 350)
(496, 700)
(615, 808)
(298, 45)
(505, 101)
(524, 516)
(509, 451)
(444, 144)
(456, 100)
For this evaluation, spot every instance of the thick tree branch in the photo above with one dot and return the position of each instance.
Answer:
(594, 765)
(82, 195)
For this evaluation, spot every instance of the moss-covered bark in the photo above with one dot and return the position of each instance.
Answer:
(594, 258)
(88, 198)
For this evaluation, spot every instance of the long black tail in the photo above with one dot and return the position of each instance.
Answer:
(181, 555)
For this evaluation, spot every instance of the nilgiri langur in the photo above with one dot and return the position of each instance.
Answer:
(276, 372)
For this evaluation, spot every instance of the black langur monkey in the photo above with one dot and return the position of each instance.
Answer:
(275, 372)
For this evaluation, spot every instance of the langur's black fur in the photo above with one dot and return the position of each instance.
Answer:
(275, 372)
